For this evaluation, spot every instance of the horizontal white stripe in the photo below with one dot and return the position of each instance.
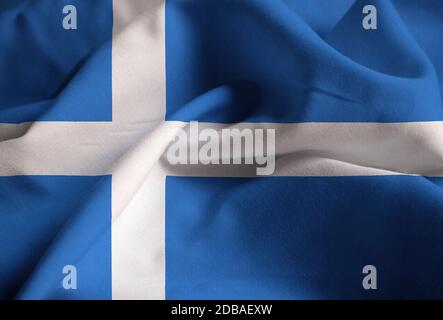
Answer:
(339, 149)
(302, 149)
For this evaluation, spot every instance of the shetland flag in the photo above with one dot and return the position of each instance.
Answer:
(118, 179)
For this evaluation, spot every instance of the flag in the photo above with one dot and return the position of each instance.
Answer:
(229, 149)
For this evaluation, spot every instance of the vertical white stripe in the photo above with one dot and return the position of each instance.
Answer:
(138, 244)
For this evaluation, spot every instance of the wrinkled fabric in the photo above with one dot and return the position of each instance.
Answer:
(86, 117)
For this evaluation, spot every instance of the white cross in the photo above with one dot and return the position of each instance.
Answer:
(132, 146)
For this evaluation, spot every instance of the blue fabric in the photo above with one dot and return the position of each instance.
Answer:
(47, 222)
(303, 237)
(228, 61)
(38, 60)
(302, 61)
(295, 61)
